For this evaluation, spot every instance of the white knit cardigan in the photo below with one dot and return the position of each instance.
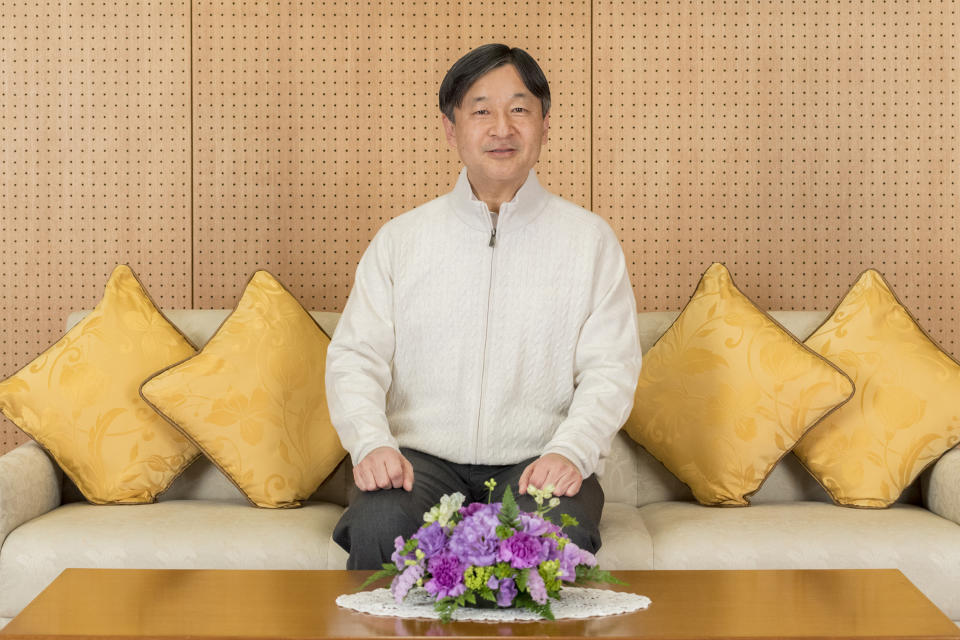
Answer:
(483, 344)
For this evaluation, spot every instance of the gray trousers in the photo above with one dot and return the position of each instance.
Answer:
(375, 518)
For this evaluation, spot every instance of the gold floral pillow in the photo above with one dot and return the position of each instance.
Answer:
(726, 392)
(253, 399)
(79, 399)
(904, 414)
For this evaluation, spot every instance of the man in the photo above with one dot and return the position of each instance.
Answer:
(489, 333)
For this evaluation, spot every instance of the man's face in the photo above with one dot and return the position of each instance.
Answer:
(499, 129)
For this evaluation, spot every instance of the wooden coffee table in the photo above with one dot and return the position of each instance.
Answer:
(130, 603)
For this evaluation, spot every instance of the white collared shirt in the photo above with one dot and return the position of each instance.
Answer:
(485, 354)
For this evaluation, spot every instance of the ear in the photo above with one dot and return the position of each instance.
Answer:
(546, 128)
(450, 131)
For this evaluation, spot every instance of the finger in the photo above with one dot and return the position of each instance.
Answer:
(366, 478)
(394, 469)
(357, 480)
(574, 488)
(562, 485)
(525, 478)
(538, 475)
(407, 474)
(380, 476)
(555, 475)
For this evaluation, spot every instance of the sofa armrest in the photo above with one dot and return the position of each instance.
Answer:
(29, 486)
(941, 493)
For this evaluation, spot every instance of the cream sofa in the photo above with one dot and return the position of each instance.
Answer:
(650, 520)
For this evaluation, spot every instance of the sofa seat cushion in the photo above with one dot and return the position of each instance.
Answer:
(811, 535)
(177, 534)
(626, 543)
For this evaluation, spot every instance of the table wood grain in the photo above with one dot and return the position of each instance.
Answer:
(233, 604)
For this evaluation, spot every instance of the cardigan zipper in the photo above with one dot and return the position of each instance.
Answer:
(486, 331)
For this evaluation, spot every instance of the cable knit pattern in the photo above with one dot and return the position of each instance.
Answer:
(29, 486)
(487, 355)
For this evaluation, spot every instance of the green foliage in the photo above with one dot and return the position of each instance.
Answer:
(389, 570)
(543, 610)
(595, 574)
(568, 521)
(445, 608)
(503, 570)
(509, 511)
(409, 547)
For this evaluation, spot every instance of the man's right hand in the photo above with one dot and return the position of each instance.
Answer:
(383, 468)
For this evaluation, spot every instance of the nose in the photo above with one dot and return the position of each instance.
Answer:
(500, 127)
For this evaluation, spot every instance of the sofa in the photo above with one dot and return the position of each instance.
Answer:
(650, 519)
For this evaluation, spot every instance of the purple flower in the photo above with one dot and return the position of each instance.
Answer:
(538, 590)
(446, 570)
(523, 550)
(506, 593)
(570, 557)
(474, 507)
(475, 539)
(535, 525)
(403, 582)
(397, 558)
(432, 538)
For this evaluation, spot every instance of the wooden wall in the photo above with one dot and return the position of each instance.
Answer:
(798, 142)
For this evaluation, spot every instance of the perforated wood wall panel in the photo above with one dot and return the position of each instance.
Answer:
(315, 123)
(94, 163)
(797, 142)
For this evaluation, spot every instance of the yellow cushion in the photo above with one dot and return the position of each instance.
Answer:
(253, 399)
(726, 392)
(904, 414)
(79, 399)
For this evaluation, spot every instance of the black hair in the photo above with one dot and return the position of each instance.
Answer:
(484, 59)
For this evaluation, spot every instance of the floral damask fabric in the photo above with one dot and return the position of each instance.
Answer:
(904, 413)
(253, 399)
(79, 398)
(726, 393)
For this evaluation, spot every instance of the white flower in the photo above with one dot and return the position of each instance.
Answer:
(441, 513)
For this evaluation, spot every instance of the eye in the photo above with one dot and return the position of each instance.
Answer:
(519, 109)
(481, 112)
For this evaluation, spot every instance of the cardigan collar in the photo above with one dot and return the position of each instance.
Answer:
(530, 200)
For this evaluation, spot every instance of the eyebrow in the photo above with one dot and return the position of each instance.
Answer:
(516, 95)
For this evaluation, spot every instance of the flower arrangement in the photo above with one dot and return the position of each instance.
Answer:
(490, 554)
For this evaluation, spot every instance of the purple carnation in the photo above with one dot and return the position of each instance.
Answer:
(538, 590)
(570, 557)
(535, 525)
(506, 593)
(405, 581)
(522, 550)
(432, 539)
(446, 570)
(475, 539)
(474, 507)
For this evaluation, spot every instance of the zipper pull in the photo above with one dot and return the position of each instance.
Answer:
(493, 237)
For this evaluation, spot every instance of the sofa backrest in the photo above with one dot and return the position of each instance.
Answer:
(631, 475)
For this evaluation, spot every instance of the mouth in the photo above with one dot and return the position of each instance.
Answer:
(501, 152)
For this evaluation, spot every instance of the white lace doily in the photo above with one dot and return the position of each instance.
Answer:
(574, 602)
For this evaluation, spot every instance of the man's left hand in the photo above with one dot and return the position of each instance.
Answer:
(555, 469)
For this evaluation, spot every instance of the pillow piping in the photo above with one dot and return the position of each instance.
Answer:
(175, 364)
(926, 335)
(770, 469)
(53, 458)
